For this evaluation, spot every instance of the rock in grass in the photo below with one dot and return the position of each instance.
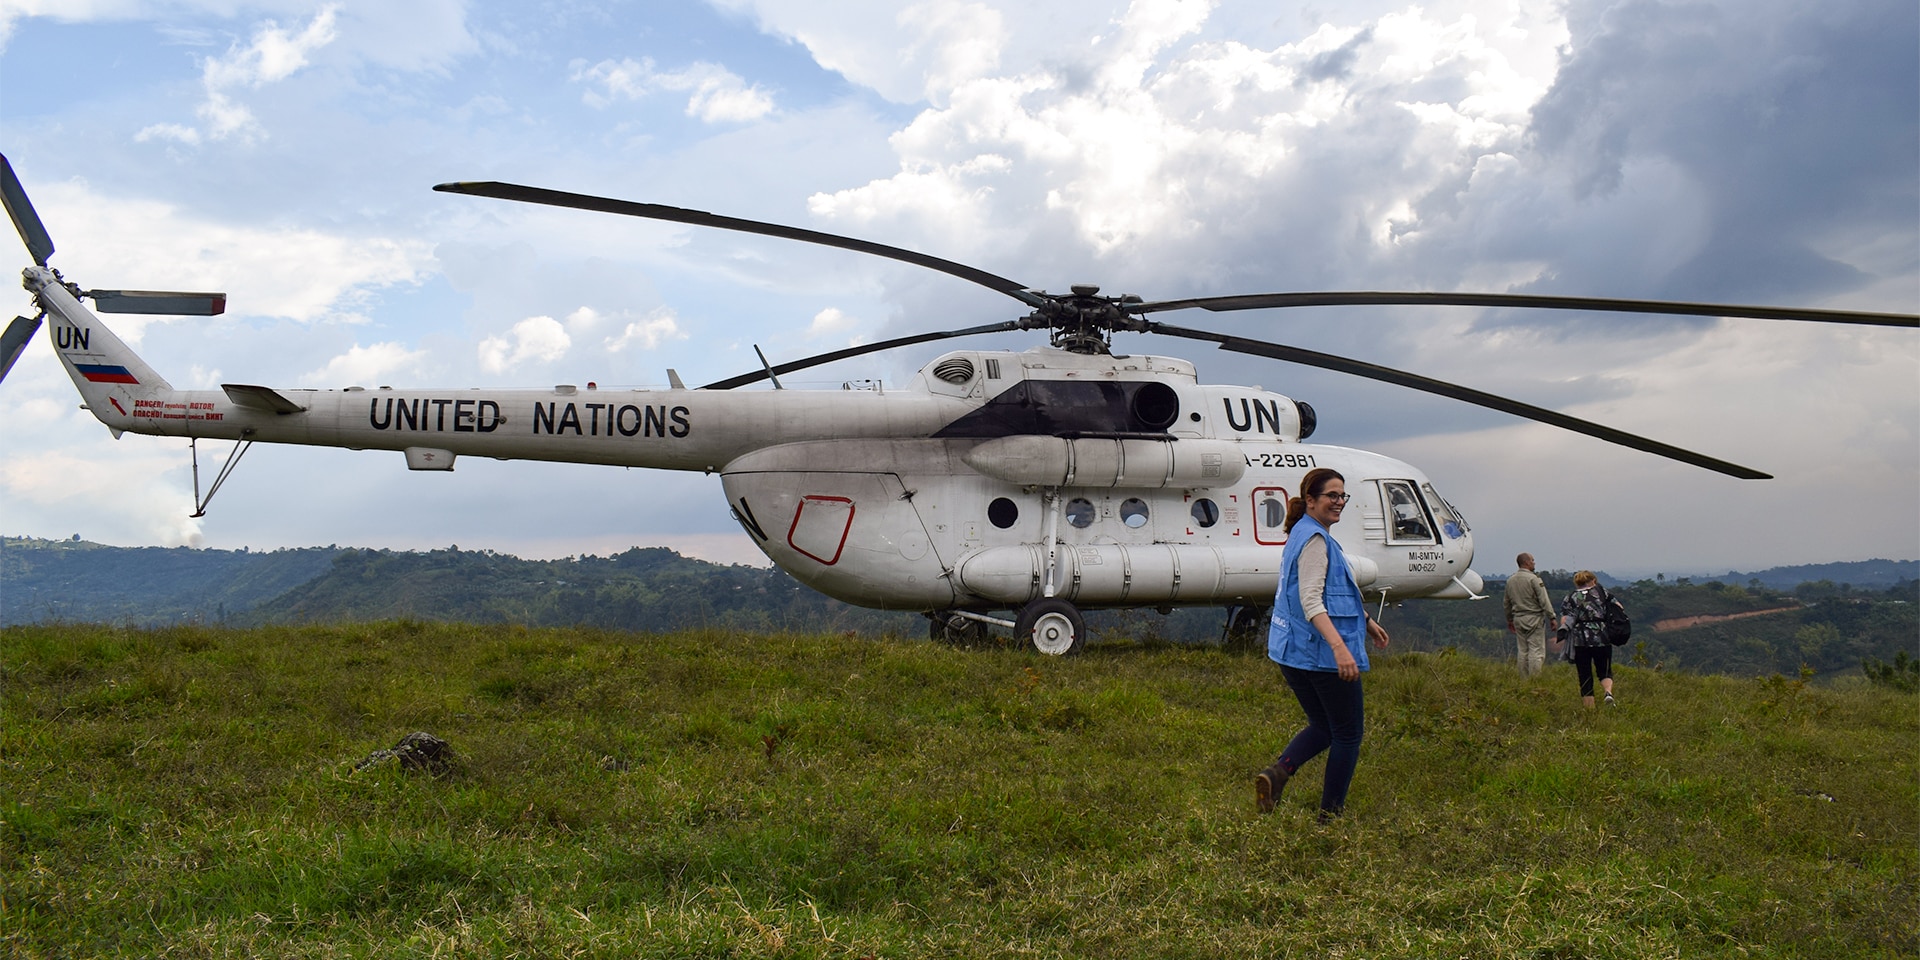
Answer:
(415, 751)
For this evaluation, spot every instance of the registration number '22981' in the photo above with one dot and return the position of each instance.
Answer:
(1282, 460)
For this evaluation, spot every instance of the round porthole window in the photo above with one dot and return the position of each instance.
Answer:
(1080, 512)
(1002, 512)
(1133, 512)
(1205, 512)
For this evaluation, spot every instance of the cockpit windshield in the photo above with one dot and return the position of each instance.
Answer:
(1451, 522)
(1406, 521)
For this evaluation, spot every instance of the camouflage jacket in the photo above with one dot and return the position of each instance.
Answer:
(1589, 614)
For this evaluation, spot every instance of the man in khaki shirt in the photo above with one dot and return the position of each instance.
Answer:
(1529, 610)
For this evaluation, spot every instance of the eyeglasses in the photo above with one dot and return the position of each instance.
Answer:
(1338, 497)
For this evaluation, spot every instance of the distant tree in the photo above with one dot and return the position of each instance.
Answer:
(1902, 674)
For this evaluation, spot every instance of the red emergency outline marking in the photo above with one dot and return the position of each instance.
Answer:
(117, 406)
(843, 530)
(1258, 531)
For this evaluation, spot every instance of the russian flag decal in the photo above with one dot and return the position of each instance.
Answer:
(105, 373)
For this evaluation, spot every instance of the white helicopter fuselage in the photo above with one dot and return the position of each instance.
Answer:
(990, 480)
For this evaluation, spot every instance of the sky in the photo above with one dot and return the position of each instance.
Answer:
(1740, 151)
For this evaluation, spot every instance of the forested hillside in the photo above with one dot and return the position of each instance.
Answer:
(1708, 627)
(1744, 629)
(645, 589)
(83, 582)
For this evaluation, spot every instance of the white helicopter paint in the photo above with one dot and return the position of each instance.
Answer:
(856, 494)
(1047, 481)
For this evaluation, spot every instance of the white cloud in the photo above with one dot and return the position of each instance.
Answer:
(924, 51)
(179, 133)
(649, 332)
(415, 35)
(958, 42)
(831, 322)
(583, 321)
(1151, 137)
(537, 339)
(360, 365)
(301, 274)
(154, 510)
(716, 95)
(274, 54)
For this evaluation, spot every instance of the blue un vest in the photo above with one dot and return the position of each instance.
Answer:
(1291, 640)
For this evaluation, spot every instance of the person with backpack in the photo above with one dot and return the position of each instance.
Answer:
(1583, 629)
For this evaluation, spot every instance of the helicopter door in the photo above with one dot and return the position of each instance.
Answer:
(1270, 515)
(1407, 519)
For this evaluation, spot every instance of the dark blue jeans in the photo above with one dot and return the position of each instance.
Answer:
(1335, 719)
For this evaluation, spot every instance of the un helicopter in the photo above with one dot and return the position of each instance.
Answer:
(1042, 482)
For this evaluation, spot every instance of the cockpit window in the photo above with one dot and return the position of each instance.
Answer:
(1451, 522)
(1406, 520)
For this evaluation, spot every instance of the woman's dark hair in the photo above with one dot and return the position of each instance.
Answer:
(1314, 485)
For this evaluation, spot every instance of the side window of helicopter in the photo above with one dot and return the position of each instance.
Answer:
(1406, 520)
(1133, 512)
(1451, 522)
(1080, 512)
(1206, 513)
(1002, 512)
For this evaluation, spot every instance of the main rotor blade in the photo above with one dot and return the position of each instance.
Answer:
(20, 209)
(1261, 301)
(814, 361)
(1327, 361)
(654, 211)
(159, 301)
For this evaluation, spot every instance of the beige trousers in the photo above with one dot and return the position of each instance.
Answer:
(1531, 634)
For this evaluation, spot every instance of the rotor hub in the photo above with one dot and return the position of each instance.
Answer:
(1083, 321)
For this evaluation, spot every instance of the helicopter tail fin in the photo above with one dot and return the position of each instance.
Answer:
(109, 375)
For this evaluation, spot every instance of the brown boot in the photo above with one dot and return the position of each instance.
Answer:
(1267, 786)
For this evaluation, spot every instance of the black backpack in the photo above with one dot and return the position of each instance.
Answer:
(1613, 617)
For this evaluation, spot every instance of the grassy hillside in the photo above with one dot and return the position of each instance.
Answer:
(192, 792)
(80, 581)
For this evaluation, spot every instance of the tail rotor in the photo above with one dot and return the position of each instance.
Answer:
(40, 246)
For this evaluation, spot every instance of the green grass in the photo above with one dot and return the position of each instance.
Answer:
(191, 793)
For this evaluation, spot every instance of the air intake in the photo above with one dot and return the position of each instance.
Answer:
(954, 370)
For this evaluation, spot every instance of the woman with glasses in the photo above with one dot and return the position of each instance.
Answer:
(1318, 636)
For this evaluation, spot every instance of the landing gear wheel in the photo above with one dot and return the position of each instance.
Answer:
(945, 626)
(1053, 626)
(1247, 628)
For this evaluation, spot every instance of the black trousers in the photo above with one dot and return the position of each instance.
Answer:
(1592, 662)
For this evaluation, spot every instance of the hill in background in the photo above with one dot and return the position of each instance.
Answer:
(84, 582)
(1739, 624)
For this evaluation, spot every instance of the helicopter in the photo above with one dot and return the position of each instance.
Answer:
(1044, 482)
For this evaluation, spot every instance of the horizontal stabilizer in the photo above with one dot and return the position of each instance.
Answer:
(159, 301)
(15, 340)
(260, 398)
